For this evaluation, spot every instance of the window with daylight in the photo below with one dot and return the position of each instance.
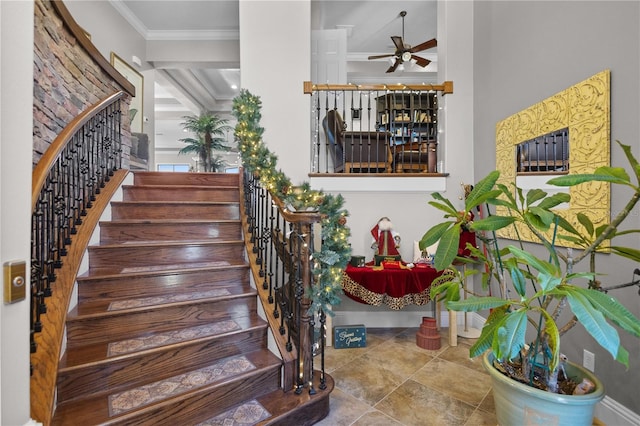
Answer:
(173, 167)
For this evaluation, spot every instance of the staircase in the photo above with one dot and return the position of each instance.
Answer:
(166, 330)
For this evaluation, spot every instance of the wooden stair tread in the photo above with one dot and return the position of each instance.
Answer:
(99, 309)
(179, 269)
(118, 306)
(173, 243)
(99, 352)
(161, 268)
(96, 409)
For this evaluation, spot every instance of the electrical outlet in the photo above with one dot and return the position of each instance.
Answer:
(588, 360)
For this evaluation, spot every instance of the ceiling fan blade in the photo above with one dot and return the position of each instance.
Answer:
(393, 67)
(420, 61)
(424, 46)
(397, 40)
(381, 56)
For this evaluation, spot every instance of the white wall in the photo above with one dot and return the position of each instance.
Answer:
(276, 75)
(16, 123)
(405, 200)
(526, 51)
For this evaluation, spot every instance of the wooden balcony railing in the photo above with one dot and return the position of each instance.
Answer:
(546, 154)
(375, 128)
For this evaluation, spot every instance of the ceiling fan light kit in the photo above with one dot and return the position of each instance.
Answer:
(404, 52)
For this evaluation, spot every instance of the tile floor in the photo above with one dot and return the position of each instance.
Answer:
(393, 382)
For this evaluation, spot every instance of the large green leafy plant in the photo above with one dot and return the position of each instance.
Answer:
(535, 289)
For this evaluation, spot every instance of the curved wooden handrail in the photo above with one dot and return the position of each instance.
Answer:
(309, 87)
(96, 56)
(47, 160)
(46, 359)
(296, 217)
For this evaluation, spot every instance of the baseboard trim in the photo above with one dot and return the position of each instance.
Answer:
(394, 319)
(611, 412)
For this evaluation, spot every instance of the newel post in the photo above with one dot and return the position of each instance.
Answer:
(306, 321)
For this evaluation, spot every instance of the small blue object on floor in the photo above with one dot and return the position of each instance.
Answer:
(349, 336)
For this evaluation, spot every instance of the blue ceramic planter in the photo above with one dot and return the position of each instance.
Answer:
(519, 404)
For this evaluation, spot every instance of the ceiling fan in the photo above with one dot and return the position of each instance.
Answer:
(404, 52)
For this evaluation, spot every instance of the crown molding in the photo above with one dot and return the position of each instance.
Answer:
(209, 35)
(166, 35)
(129, 17)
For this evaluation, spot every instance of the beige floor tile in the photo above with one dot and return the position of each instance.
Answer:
(367, 379)
(455, 380)
(488, 404)
(460, 354)
(394, 382)
(376, 418)
(482, 418)
(344, 409)
(415, 404)
(405, 361)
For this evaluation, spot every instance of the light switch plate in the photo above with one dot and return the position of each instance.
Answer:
(15, 281)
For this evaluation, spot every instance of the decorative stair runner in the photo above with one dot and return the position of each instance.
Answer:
(171, 298)
(142, 343)
(248, 413)
(144, 395)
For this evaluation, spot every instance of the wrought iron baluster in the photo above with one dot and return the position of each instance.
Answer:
(273, 262)
(69, 185)
(323, 342)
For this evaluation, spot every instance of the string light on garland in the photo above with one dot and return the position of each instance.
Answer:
(330, 261)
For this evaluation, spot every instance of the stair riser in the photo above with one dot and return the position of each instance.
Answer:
(169, 361)
(198, 179)
(118, 258)
(113, 232)
(206, 211)
(127, 287)
(203, 405)
(180, 193)
(118, 325)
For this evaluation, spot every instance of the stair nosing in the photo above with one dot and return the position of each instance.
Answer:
(163, 202)
(167, 221)
(179, 186)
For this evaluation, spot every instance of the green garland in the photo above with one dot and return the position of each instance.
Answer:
(330, 262)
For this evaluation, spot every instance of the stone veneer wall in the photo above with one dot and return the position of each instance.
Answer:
(66, 81)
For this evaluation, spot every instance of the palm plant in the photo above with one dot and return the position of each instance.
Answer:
(534, 290)
(218, 163)
(210, 131)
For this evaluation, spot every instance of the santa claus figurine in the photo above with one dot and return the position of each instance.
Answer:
(385, 240)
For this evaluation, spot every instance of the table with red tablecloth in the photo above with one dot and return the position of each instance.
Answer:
(395, 287)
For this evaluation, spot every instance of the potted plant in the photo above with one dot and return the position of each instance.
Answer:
(210, 131)
(521, 336)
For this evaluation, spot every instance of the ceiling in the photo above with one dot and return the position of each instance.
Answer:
(184, 89)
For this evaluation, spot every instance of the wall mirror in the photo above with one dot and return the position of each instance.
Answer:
(582, 109)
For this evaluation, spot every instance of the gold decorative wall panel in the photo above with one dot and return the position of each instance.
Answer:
(585, 110)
